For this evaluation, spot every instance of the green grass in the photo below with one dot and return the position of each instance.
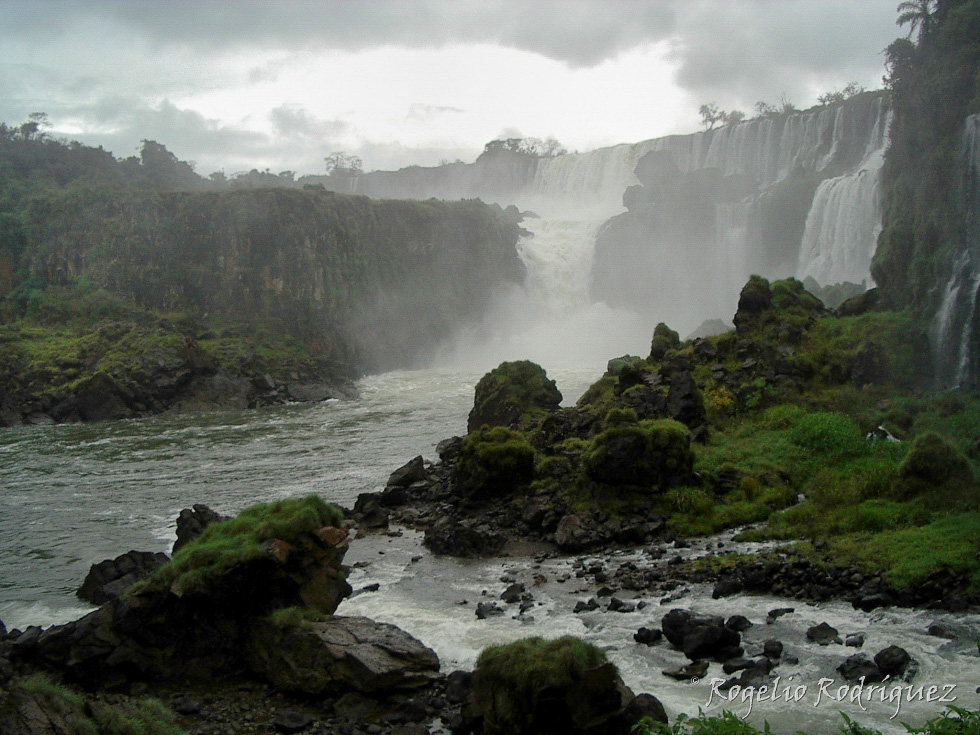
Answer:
(226, 544)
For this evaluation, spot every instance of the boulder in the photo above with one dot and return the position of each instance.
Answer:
(100, 398)
(859, 665)
(411, 471)
(701, 636)
(684, 400)
(509, 391)
(893, 661)
(822, 634)
(368, 511)
(108, 579)
(338, 654)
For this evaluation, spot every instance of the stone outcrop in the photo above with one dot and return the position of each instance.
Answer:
(108, 579)
(338, 654)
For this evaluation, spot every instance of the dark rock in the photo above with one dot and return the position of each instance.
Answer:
(411, 471)
(728, 585)
(513, 593)
(340, 653)
(368, 511)
(456, 538)
(684, 401)
(736, 664)
(893, 661)
(644, 706)
(592, 604)
(459, 684)
(290, 721)
(855, 640)
(700, 636)
(191, 523)
(772, 648)
(689, 671)
(108, 579)
(449, 449)
(860, 665)
(738, 623)
(486, 610)
(941, 631)
(648, 636)
(618, 605)
(870, 600)
(100, 398)
(822, 634)
(777, 613)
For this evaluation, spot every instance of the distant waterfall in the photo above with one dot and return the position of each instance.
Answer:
(954, 329)
(785, 195)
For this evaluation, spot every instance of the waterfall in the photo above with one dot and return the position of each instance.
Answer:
(792, 194)
(954, 328)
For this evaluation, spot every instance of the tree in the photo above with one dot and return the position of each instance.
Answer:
(918, 14)
(830, 98)
(710, 114)
(31, 130)
(343, 164)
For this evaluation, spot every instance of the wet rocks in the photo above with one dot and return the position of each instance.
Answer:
(338, 654)
(700, 636)
(648, 636)
(860, 666)
(893, 661)
(822, 634)
(108, 579)
(695, 669)
(191, 523)
(462, 538)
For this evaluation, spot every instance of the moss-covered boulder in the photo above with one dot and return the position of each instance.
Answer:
(494, 461)
(932, 464)
(664, 338)
(549, 686)
(646, 453)
(754, 298)
(510, 392)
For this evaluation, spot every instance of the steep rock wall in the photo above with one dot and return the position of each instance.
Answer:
(376, 284)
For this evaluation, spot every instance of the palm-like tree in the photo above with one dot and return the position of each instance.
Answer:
(918, 14)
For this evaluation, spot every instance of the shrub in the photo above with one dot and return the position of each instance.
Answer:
(664, 339)
(649, 453)
(494, 462)
(226, 544)
(832, 435)
(933, 463)
(509, 679)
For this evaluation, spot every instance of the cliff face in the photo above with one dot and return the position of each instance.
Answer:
(787, 195)
(376, 284)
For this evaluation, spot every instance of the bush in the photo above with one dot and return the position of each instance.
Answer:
(511, 680)
(649, 453)
(494, 462)
(933, 463)
(664, 339)
(829, 434)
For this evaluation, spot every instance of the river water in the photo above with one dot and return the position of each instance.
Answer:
(76, 494)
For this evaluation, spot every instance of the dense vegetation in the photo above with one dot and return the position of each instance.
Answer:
(935, 85)
(106, 264)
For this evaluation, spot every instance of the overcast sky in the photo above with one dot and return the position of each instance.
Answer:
(279, 84)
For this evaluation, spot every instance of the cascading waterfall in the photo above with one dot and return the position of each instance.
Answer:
(785, 195)
(954, 327)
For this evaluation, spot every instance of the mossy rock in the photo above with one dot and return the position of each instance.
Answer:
(510, 392)
(494, 461)
(535, 685)
(754, 298)
(664, 339)
(933, 463)
(648, 453)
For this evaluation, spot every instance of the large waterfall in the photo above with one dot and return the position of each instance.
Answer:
(670, 228)
(955, 330)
